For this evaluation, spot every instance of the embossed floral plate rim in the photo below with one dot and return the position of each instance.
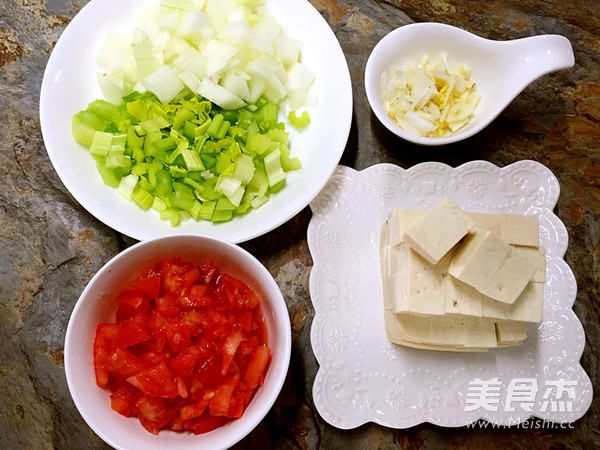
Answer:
(364, 378)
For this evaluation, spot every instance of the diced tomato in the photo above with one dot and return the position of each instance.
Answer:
(220, 403)
(172, 276)
(157, 381)
(246, 348)
(209, 273)
(240, 400)
(188, 350)
(230, 347)
(183, 364)
(123, 400)
(245, 321)
(105, 334)
(132, 331)
(255, 368)
(194, 297)
(180, 333)
(123, 363)
(208, 423)
(148, 286)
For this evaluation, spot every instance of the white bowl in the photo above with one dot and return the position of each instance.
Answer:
(98, 304)
(70, 83)
(501, 69)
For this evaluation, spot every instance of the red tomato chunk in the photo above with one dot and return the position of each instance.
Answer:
(188, 350)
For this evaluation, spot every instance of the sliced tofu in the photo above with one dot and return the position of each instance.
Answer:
(462, 299)
(400, 220)
(438, 230)
(527, 308)
(535, 257)
(512, 228)
(510, 333)
(491, 266)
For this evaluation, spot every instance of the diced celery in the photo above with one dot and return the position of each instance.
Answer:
(143, 198)
(223, 210)
(207, 210)
(108, 176)
(127, 185)
(192, 159)
(273, 167)
(298, 122)
(172, 215)
(101, 143)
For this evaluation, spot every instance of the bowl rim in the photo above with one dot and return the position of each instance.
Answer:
(282, 319)
(371, 86)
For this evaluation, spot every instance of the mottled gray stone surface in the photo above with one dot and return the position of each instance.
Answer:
(50, 247)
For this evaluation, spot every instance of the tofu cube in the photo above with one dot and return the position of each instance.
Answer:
(440, 229)
(490, 265)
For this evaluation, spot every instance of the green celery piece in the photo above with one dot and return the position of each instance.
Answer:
(177, 171)
(245, 117)
(127, 185)
(159, 204)
(182, 116)
(273, 167)
(267, 115)
(215, 125)
(244, 169)
(101, 143)
(277, 187)
(150, 141)
(192, 183)
(230, 115)
(244, 205)
(154, 124)
(298, 122)
(189, 130)
(163, 183)
(166, 144)
(259, 144)
(259, 184)
(108, 176)
(223, 210)
(118, 162)
(172, 215)
(115, 116)
(140, 168)
(207, 210)
(277, 135)
(145, 184)
(258, 200)
(288, 163)
(153, 169)
(208, 191)
(143, 198)
(192, 159)
(134, 142)
(180, 200)
(83, 126)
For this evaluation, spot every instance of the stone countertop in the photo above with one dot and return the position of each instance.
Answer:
(50, 246)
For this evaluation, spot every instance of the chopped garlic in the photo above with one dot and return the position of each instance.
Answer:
(429, 98)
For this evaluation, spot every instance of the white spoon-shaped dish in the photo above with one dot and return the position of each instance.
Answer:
(501, 69)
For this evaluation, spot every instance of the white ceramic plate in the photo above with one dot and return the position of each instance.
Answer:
(69, 84)
(363, 377)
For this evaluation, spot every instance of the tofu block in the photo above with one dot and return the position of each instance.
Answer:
(527, 308)
(536, 257)
(400, 220)
(511, 332)
(438, 230)
(512, 228)
(490, 265)
(462, 299)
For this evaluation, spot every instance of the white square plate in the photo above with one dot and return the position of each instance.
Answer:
(363, 377)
